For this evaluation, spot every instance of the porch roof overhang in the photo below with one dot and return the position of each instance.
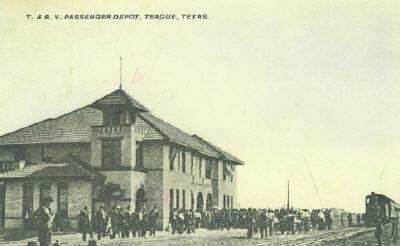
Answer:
(47, 171)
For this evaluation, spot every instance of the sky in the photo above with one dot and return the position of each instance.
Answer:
(302, 90)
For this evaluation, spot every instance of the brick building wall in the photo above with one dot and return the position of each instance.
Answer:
(79, 195)
(226, 187)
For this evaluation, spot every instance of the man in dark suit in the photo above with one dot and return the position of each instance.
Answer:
(101, 222)
(135, 224)
(44, 217)
(126, 226)
(84, 223)
(152, 221)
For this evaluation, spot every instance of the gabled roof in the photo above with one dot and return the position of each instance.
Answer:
(119, 97)
(175, 134)
(61, 170)
(75, 127)
(221, 152)
(71, 127)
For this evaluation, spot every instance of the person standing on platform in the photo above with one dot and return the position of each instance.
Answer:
(126, 225)
(84, 223)
(44, 217)
(135, 224)
(153, 216)
(350, 219)
(101, 222)
(341, 219)
(263, 223)
(250, 223)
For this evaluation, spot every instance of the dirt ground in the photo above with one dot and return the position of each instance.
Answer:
(232, 237)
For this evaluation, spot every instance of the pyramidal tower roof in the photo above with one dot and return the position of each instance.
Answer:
(119, 97)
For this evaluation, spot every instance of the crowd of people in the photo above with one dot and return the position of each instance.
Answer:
(123, 223)
(263, 221)
(118, 223)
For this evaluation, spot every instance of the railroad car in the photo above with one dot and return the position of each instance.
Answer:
(388, 209)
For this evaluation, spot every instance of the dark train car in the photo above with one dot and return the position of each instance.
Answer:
(388, 209)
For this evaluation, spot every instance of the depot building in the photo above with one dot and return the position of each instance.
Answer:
(113, 151)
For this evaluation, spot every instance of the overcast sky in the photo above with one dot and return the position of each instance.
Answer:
(293, 88)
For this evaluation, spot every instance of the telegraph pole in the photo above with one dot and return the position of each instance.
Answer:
(288, 195)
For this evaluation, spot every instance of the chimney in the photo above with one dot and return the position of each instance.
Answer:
(21, 164)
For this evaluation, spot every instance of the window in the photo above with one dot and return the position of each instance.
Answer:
(200, 166)
(179, 160)
(115, 118)
(177, 199)
(20, 154)
(183, 161)
(62, 199)
(171, 199)
(111, 152)
(27, 200)
(192, 162)
(139, 154)
(224, 202)
(226, 171)
(173, 151)
(45, 191)
(227, 202)
(183, 199)
(47, 153)
(231, 201)
(208, 169)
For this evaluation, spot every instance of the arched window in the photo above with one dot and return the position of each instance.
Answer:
(140, 199)
(200, 201)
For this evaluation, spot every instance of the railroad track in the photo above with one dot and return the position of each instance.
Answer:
(314, 239)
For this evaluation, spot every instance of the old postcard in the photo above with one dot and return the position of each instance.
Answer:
(199, 122)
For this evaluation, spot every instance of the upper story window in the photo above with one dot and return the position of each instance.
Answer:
(183, 161)
(228, 171)
(20, 153)
(111, 152)
(231, 171)
(173, 153)
(200, 166)
(48, 153)
(115, 117)
(192, 163)
(208, 169)
(225, 171)
(139, 154)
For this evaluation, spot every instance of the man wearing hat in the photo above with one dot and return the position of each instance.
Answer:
(44, 217)
(84, 223)
(101, 222)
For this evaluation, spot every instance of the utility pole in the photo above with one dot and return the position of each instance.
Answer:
(288, 195)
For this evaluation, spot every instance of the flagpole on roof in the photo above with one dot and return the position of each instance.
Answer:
(120, 73)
